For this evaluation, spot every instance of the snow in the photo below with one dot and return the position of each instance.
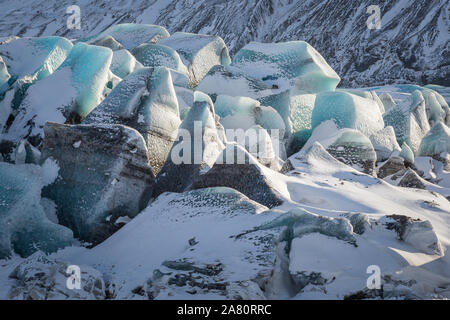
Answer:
(34, 57)
(286, 64)
(130, 35)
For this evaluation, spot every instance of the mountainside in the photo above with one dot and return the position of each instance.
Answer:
(411, 46)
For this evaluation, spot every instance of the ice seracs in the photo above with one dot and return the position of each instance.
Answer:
(24, 225)
(196, 148)
(437, 141)
(130, 35)
(348, 111)
(199, 53)
(286, 64)
(146, 101)
(104, 171)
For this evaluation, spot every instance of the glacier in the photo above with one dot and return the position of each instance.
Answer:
(168, 166)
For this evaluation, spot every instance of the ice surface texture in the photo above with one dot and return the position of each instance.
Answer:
(286, 64)
(198, 52)
(146, 101)
(24, 225)
(104, 174)
(79, 83)
(130, 35)
(437, 141)
(348, 111)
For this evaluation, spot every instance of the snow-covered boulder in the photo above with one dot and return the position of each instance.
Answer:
(287, 64)
(348, 111)
(419, 234)
(210, 253)
(199, 53)
(131, 35)
(146, 101)
(24, 227)
(42, 278)
(104, 174)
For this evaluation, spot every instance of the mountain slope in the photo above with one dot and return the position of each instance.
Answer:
(411, 46)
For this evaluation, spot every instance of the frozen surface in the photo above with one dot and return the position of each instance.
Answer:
(154, 55)
(437, 141)
(36, 58)
(79, 83)
(348, 111)
(104, 174)
(146, 101)
(198, 52)
(130, 35)
(285, 64)
(25, 227)
(123, 63)
(384, 142)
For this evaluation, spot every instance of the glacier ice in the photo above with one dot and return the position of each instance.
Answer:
(409, 120)
(146, 101)
(236, 168)
(346, 145)
(406, 153)
(437, 141)
(287, 64)
(79, 81)
(24, 225)
(26, 153)
(393, 165)
(155, 55)
(384, 143)
(198, 52)
(387, 100)
(104, 172)
(259, 144)
(243, 112)
(195, 149)
(123, 63)
(130, 35)
(4, 76)
(35, 58)
(108, 42)
(348, 111)
(223, 80)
